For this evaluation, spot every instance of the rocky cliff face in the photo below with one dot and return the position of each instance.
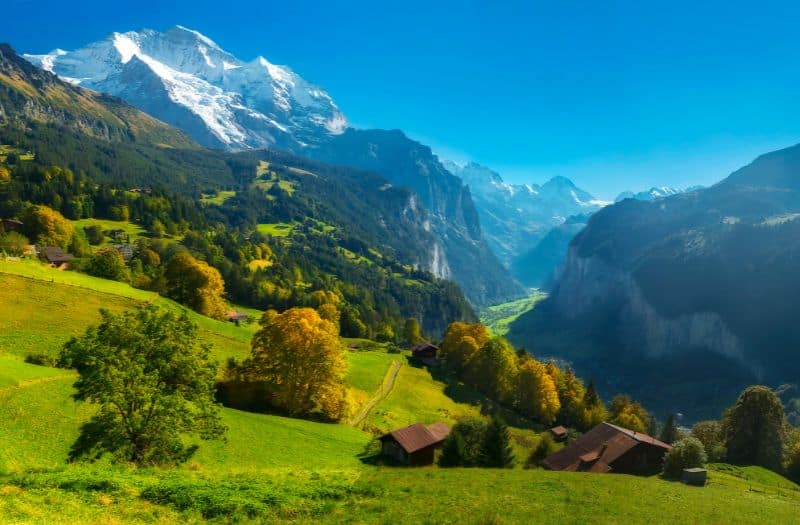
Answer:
(461, 252)
(683, 299)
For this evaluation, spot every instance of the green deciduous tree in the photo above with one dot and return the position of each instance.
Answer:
(153, 384)
(13, 243)
(709, 433)
(686, 453)
(412, 331)
(108, 264)
(754, 429)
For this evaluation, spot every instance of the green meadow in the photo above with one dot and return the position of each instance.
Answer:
(275, 469)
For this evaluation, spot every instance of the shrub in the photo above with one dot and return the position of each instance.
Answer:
(94, 234)
(41, 360)
(546, 447)
(686, 453)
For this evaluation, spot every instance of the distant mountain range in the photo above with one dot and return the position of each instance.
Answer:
(683, 300)
(654, 193)
(516, 217)
(185, 79)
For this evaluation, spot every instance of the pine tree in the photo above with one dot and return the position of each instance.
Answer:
(496, 451)
(670, 433)
(591, 398)
(452, 451)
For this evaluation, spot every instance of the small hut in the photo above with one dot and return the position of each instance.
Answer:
(559, 433)
(414, 444)
(55, 255)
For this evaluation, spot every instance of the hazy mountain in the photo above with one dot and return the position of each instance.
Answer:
(460, 252)
(685, 299)
(185, 79)
(515, 217)
(654, 193)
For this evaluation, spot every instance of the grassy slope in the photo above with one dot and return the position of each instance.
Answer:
(499, 317)
(295, 470)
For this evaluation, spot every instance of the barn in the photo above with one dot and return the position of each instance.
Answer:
(414, 444)
(609, 448)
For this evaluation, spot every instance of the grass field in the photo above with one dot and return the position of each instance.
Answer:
(277, 469)
(218, 199)
(279, 229)
(134, 231)
(499, 317)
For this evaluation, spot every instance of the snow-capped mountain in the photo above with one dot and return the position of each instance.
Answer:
(654, 193)
(186, 79)
(515, 217)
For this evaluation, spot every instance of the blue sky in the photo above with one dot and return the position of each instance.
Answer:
(615, 95)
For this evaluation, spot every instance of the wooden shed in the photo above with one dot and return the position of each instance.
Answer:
(414, 444)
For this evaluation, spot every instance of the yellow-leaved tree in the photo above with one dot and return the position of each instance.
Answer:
(461, 343)
(48, 227)
(537, 396)
(195, 284)
(628, 414)
(298, 354)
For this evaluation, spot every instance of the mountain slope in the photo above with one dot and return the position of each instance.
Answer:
(29, 94)
(515, 217)
(537, 267)
(187, 80)
(460, 251)
(659, 292)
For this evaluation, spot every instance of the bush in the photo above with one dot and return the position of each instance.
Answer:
(41, 360)
(94, 234)
(686, 453)
(107, 264)
(546, 447)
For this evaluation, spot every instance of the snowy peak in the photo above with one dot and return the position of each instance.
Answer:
(654, 193)
(219, 99)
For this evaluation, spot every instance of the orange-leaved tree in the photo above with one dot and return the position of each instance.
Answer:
(298, 354)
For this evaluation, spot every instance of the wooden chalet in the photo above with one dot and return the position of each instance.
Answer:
(236, 317)
(609, 448)
(425, 350)
(414, 444)
(10, 225)
(559, 433)
(125, 250)
(55, 255)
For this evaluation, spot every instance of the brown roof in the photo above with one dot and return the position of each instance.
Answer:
(559, 430)
(596, 450)
(418, 436)
(54, 254)
(423, 346)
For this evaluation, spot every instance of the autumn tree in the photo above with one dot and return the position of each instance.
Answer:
(628, 414)
(461, 343)
(195, 284)
(48, 227)
(412, 331)
(754, 429)
(537, 396)
(298, 353)
(153, 385)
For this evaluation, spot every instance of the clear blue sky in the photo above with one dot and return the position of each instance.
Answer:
(615, 95)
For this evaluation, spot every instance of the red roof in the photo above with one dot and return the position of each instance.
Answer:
(418, 436)
(599, 448)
